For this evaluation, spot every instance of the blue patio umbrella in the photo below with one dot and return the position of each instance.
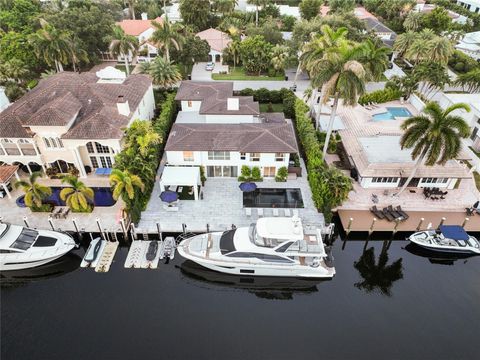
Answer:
(248, 186)
(169, 196)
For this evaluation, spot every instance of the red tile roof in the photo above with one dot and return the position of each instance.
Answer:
(136, 27)
(217, 39)
(6, 172)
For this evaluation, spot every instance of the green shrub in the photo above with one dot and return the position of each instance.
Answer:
(262, 95)
(380, 96)
(462, 63)
(289, 105)
(42, 208)
(282, 174)
(245, 173)
(276, 96)
(203, 178)
(256, 174)
(247, 92)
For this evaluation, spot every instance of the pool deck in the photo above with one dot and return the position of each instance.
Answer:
(222, 207)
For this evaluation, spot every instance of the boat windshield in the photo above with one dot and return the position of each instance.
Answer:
(3, 229)
(25, 239)
(254, 237)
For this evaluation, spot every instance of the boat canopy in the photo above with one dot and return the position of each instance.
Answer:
(454, 232)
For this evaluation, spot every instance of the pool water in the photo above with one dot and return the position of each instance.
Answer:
(102, 197)
(273, 198)
(392, 113)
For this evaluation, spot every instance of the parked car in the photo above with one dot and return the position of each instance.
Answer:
(2, 190)
(210, 66)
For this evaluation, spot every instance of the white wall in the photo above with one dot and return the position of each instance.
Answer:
(195, 105)
(474, 5)
(416, 102)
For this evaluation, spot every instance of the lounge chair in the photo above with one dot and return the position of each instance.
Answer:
(260, 212)
(377, 212)
(401, 212)
(57, 214)
(388, 215)
(65, 213)
(275, 212)
(287, 212)
(394, 213)
(248, 212)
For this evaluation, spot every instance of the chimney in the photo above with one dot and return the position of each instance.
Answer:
(144, 16)
(233, 104)
(122, 106)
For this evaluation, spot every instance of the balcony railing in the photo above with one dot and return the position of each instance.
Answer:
(13, 150)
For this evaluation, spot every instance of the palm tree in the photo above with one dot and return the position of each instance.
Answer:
(124, 184)
(234, 50)
(413, 21)
(147, 141)
(77, 53)
(341, 75)
(131, 7)
(378, 275)
(51, 45)
(34, 192)
(122, 44)
(225, 6)
(435, 136)
(14, 69)
(404, 41)
(440, 49)
(164, 73)
(280, 55)
(375, 59)
(166, 35)
(77, 196)
(470, 81)
(257, 4)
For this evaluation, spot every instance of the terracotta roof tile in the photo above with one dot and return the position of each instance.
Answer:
(217, 39)
(6, 172)
(136, 27)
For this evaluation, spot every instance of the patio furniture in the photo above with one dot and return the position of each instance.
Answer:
(248, 186)
(470, 211)
(170, 208)
(57, 214)
(287, 212)
(65, 213)
(395, 214)
(401, 212)
(260, 212)
(387, 214)
(375, 198)
(377, 212)
(103, 171)
(248, 212)
(275, 212)
(179, 189)
(190, 192)
(169, 196)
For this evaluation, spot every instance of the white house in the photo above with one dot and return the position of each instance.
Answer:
(74, 120)
(4, 102)
(286, 10)
(427, 8)
(173, 13)
(472, 5)
(470, 45)
(142, 30)
(217, 40)
(222, 132)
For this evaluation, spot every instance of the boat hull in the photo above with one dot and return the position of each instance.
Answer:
(445, 249)
(6, 266)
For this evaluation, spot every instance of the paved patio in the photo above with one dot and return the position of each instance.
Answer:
(222, 206)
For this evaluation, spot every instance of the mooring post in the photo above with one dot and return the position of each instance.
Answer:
(465, 221)
(372, 226)
(442, 221)
(396, 226)
(420, 223)
(159, 229)
(349, 225)
(133, 231)
(124, 227)
(184, 228)
(1, 219)
(50, 221)
(25, 221)
(100, 228)
(75, 225)
(208, 227)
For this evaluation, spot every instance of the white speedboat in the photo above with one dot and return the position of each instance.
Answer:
(272, 247)
(23, 248)
(448, 239)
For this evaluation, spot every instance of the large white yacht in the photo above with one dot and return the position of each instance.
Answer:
(23, 248)
(274, 246)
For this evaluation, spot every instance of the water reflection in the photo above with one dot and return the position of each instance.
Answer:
(276, 288)
(378, 275)
(59, 267)
(436, 257)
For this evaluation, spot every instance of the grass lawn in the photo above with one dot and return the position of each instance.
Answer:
(276, 107)
(239, 74)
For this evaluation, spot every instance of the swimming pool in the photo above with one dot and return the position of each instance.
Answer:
(273, 198)
(102, 197)
(392, 113)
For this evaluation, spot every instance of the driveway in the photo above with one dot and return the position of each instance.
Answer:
(200, 74)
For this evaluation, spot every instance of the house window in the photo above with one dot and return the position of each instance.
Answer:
(434, 180)
(47, 143)
(60, 143)
(385, 180)
(90, 148)
(189, 103)
(101, 149)
(269, 171)
(53, 142)
(243, 156)
(188, 156)
(279, 156)
(94, 161)
(218, 155)
(222, 171)
(254, 156)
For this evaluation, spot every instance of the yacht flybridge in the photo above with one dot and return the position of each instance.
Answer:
(23, 248)
(272, 247)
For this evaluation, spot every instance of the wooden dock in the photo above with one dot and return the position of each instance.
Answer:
(136, 257)
(107, 256)
(363, 220)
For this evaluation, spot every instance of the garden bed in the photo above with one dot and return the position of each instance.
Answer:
(239, 74)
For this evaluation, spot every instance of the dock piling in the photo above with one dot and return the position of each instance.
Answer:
(75, 225)
(124, 228)
(208, 227)
(465, 221)
(396, 226)
(133, 232)
(50, 221)
(25, 221)
(370, 231)
(184, 228)
(159, 229)
(420, 223)
(442, 221)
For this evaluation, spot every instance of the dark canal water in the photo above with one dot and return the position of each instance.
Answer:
(390, 304)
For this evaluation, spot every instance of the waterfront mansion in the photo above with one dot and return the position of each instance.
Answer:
(223, 132)
(74, 120)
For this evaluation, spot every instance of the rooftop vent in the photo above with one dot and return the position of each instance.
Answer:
(122, 106)
(233, 104)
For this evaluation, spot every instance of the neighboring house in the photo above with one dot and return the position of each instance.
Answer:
(472, 5)
(472, 117)
(222, 132)
(74, 120)
(374, 25)
(4, 102)
(217, 40)
(286, 10)
(173, 13)
(470, 45)
(142, 30)
(427, 8)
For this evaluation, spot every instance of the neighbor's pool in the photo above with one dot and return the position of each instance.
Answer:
(273, 198)
(102, 197)
(392, 113)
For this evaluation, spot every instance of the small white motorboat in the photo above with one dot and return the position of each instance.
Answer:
(168, 248)
(448, 239)
(23, 248)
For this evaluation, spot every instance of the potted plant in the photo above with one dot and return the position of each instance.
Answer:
(282, 174)
(203, 178)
